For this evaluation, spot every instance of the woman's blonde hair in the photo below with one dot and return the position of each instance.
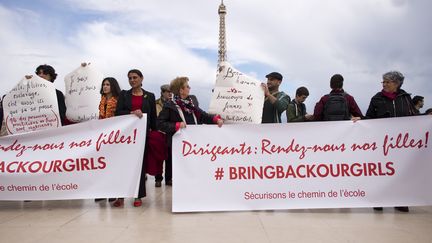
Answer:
(178, 83)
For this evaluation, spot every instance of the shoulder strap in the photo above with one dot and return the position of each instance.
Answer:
(294, 103)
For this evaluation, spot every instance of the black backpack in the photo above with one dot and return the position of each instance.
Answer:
(336, 108)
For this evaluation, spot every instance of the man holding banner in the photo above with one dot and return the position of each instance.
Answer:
(276, 102)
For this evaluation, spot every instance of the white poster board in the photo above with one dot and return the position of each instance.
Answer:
(31, 106)
(95, 159)
(82, 95)
(237, 97)
(341, 164)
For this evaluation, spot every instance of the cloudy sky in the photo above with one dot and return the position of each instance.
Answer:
(306, 41)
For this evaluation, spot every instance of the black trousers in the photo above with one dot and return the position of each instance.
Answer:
(168, 168)
(142, 183)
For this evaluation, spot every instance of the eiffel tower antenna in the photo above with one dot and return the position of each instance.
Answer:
(222, 40)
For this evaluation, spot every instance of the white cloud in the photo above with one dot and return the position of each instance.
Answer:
(113, 47)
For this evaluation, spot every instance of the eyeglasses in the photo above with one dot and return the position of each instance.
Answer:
(386, 82)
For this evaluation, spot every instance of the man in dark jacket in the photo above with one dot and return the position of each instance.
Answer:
(350, 109)
(418, 102)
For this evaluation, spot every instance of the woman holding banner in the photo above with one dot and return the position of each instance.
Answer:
(137, 101)
(180, 111)
(391, 101)
(110, 91)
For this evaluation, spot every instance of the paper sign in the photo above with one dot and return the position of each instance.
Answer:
(31, 106)
(82, 95)
(237, 97)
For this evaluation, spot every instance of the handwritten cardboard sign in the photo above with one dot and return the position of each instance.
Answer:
(82, 95)
(237, 97)
(31, 106)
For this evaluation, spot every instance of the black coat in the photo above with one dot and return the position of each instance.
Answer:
(124, 106)
(61, 106)
(169, 116)
(1, 114)
(382, 107)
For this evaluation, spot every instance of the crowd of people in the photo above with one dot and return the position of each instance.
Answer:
(174, 110)
(177, 108)
(338, 105)
(391, 101)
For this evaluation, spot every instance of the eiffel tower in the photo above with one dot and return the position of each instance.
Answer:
(222, 41)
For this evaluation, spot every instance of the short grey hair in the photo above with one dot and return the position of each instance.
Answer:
(394, 76)
(164, 88)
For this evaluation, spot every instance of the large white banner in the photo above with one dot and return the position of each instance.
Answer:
(82, 94)
(31, 106)
(95, 159)
(237, 97)
(369, 163)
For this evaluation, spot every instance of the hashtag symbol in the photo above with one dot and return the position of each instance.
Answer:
(219, 173)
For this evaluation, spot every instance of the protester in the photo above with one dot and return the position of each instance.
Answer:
(181, 111)
(338, 105)
(165, 97)
(137, 101)
(391, 101)
(276, 102)
(159, 151)
(296, 111)
(418, 102)
(47, 72)
(110, 91)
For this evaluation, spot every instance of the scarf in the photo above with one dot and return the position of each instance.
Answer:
(107, 107)
(391, 96)
(186, 105)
